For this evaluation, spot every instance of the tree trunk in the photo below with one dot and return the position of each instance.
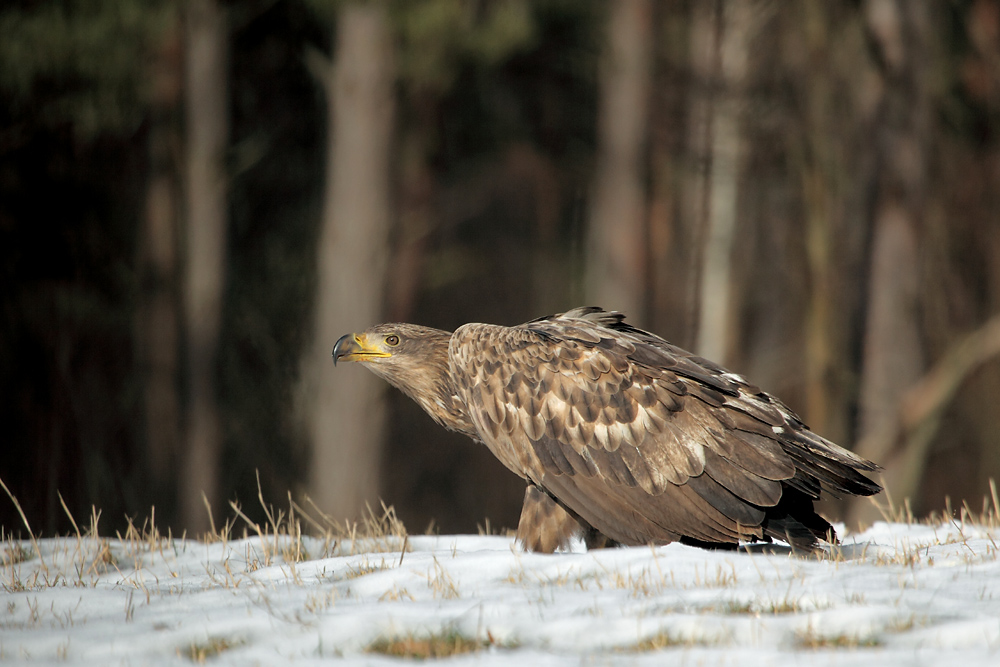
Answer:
(704, 63)
(205, 181)
(836, 167)
(417, 208)
(157, 317)
(616, 269)
(344, 412)
(893, 350)
(817, 165)
(716, 320)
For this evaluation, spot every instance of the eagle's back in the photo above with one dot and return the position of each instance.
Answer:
(642, 440)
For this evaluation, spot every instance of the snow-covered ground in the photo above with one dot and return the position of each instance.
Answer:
(894, 595)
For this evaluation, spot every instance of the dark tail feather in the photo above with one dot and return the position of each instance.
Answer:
(794, 520)
(836, 469)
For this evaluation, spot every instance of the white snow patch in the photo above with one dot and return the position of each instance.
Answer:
(895, 594)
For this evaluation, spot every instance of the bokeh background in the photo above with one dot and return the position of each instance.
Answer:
(198, 197)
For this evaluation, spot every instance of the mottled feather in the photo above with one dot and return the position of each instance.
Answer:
(627, 437)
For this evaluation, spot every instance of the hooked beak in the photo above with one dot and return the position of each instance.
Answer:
(355, 347)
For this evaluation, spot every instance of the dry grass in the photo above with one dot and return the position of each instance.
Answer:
(378, 531)
(767, 607)
(363, 568)
(665, 640)
(813, 640)
(281, 534)
(212, 647)
(903, 624)
(319, 602)
(379, 541)
(653, 581)
(988, 516)
(91, 555)
(396, 594)
(488, 529)
(958, 520)
(442, 645)
(281, 540)
(13, 553)
(441, 584)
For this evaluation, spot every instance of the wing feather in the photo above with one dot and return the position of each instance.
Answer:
(601, 436)
(725, 501)
(753, 489)
(635, 436)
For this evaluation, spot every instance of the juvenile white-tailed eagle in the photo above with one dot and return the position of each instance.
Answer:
(622, 437)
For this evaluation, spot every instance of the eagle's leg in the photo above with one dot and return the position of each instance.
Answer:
(546, 525)
(595, 539)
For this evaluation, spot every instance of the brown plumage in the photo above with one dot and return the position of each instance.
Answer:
(622, 437)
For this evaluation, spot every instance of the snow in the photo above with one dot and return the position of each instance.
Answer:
(900, 594)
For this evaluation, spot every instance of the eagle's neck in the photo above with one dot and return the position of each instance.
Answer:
(426, 377)
(446, 408)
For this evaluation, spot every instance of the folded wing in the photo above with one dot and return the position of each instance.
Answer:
(642, 440)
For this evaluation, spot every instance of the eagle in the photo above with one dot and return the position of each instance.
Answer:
(622, 437)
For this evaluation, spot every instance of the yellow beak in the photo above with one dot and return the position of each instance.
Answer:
(355, 347)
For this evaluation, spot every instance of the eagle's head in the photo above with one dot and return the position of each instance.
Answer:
(414, 359)
(395, 350)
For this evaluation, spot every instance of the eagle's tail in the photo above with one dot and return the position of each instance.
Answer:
(795, 521)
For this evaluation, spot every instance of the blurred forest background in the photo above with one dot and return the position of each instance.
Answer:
(197, 197)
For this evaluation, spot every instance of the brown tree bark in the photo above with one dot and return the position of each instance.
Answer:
(344, 412)
(817, 199)
(616, 267)
(158, 317)
(704, 65)
(836, 81)
(893, 350)
(205, 208)
(737, 24)
(417, 208)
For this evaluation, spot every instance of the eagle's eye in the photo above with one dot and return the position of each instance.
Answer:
(392, 341)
